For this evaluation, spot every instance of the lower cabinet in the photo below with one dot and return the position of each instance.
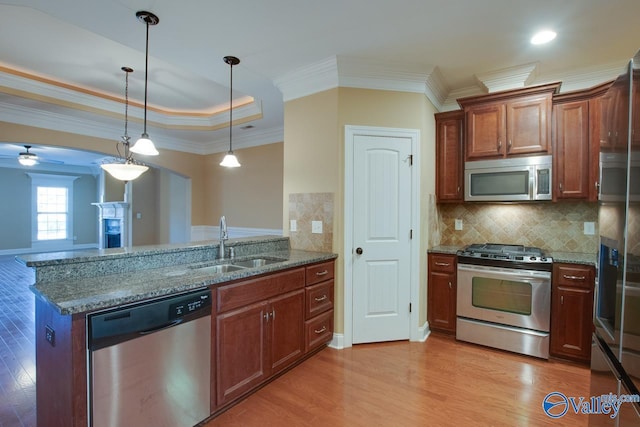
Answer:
(319, 305)
(441, 293)
(572, 311)
(262, 336)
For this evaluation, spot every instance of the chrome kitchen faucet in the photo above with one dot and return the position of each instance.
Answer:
(223, 237)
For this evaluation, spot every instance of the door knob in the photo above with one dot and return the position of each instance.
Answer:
(359, 251)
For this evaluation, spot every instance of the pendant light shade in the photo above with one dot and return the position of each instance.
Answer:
(144, 145)
(124, 167)
(230, 160)
(26, 158)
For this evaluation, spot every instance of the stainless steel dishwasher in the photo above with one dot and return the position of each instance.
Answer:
(150, 363)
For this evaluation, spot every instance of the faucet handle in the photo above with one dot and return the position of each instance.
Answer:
(232, 252)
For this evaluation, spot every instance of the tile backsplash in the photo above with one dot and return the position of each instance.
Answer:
(305, 209)
(550, 226)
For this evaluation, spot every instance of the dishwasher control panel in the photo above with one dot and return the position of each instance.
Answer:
(189, 304)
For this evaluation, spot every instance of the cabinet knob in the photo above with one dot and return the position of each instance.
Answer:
(561, 299)
(321, 330)
(573, 277)
(560, 186)
(442, 264)
(322, 298)
(499, 145)
(509, 146)
(359, 251)
(449, 285)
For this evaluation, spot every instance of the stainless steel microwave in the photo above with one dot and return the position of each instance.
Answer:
(508, 180)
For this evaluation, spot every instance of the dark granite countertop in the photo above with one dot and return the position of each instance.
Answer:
(71, 292)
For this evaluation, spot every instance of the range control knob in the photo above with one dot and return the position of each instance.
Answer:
(532, 258)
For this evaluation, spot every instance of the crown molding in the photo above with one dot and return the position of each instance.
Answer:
(436, 88)
(508, 78)
(309, 79)
(401, 77)
(588, 77)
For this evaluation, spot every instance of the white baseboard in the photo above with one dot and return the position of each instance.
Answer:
(337, 341)
(48, 249)
(211, 232)
(423, 332)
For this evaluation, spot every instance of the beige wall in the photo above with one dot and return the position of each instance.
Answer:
(249, 196)
(314, 156)
(145, 203)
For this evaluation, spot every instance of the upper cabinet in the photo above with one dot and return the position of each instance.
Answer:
(449, 156)
(508, 123)
(577, 135)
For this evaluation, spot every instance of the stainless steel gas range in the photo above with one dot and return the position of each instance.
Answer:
(504, 297)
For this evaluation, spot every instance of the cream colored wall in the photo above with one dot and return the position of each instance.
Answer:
(145, 204)
(314, 156)
(249, 196)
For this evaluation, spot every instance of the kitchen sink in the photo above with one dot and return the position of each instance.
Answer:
(257, 262)
(219, 268)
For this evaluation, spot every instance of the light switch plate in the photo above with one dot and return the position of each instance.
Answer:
(293, 225)
(458, 224)
(316, 227)
(589, 228)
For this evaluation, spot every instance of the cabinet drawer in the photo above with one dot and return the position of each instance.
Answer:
(319, 331)
(572, 275)
(319, 298)
(249, 291)
(443, 263)
(320, 272)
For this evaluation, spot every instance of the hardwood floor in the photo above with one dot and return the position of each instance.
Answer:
(438, 383)
(17, 345)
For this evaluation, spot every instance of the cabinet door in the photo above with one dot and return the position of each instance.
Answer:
(571, 151)
(286, 334)
(527, 128)
(241, 351)
(602, 118)
(571, 310)
(442, 301)
(485, 124)
(449, 156)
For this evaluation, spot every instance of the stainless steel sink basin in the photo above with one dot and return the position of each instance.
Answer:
(219, 268)
(256, 262)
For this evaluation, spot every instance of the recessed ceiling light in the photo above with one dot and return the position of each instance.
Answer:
(542, 37)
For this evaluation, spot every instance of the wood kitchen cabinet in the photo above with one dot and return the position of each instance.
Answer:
(259, 331)
(576, 143)
(572, 311)
(319, 305)
(441, 292)
(449, 156)
(508, 123)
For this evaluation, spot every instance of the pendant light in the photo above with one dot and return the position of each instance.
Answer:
(124, 167)
(230, 160)
(144, 145)
(26, 158)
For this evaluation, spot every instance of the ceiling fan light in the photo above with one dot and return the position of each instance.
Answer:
(124, 171)
(27, 159)
(145, 146)
(230, 161)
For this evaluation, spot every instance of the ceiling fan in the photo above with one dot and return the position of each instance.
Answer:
(25, 156)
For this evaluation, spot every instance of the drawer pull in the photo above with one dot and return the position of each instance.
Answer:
(321, 330)
(442, 264)
(573, 277)
(322, 298)
(322, 273)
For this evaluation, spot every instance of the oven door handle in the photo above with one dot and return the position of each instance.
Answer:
(510, 272)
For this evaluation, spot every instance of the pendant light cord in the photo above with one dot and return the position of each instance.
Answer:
(146, 77)
(230, 103)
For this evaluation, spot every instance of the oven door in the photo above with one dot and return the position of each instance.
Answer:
(507, 296)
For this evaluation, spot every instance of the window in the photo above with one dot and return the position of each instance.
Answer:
(52, 212)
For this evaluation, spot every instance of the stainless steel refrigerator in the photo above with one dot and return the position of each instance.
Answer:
(615, 356)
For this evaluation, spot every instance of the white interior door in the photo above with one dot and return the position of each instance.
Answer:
(381, 238)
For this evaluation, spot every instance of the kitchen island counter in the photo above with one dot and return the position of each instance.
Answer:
(93, 280)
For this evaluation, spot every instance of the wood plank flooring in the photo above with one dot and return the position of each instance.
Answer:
(437, 383)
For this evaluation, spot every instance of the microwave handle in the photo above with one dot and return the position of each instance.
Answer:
(533, 190)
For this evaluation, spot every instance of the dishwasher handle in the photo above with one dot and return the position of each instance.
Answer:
(161, 327)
